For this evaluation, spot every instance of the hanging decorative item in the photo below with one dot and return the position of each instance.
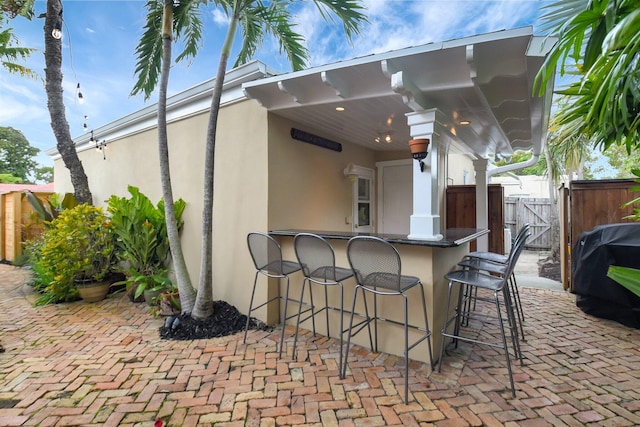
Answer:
(419, 149)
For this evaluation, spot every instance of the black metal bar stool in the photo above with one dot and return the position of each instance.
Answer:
(267, 258)
(377, 268)
(500, 268)
(502, 259)
(318, 261)
(470, 279)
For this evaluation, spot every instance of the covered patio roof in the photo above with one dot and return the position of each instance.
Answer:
(485, 80)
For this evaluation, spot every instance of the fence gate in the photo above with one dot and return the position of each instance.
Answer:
(537, 212)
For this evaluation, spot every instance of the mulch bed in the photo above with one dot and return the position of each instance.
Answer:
(226, 320)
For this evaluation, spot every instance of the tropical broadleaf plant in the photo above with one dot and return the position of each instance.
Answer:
(598, 42)
(142, 239)
(636, 189)
(52, 206)
(626, 276)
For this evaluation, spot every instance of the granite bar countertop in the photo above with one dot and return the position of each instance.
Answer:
(450, 237)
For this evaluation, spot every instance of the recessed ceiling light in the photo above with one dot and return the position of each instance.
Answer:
(339, 108)
(464, 122)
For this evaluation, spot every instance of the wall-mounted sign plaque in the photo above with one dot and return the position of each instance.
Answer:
(309, 138)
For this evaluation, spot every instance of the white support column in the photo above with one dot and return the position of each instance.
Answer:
(482, 201)
(425, 220)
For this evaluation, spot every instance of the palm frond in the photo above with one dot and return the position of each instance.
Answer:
(149, 51)
(251, 21)
(274, 19)
(571, 22)
(188, 26)
(349, 13)
(9, 54)
(15, 8)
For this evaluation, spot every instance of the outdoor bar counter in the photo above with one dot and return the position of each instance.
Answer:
(429, 260)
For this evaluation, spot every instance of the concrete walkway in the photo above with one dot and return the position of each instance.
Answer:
(527, 272)
(103, 364)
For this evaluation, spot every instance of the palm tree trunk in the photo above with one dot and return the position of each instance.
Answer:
(55, 104)
(185, 289)
(204, 298)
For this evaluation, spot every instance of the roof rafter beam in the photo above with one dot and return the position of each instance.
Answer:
(502, 141)
(402, 84)
(333, 79)
(296, 91)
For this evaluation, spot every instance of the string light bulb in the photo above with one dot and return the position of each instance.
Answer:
(100, 145)
(57, 27)
(80, 96)
(57, 31)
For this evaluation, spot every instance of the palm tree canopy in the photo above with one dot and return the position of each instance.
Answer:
(598, 40)
(187, 24)
(10, 54)
(15, 8)
(10, 51)
(257, 19)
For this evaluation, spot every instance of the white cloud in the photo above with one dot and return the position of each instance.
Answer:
(19, 114)
(219, 17)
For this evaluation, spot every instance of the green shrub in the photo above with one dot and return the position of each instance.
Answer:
(142, 239)
(77, 245)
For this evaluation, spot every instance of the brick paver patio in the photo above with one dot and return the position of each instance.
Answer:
(103, 364)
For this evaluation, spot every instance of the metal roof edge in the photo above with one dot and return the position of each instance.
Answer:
(233, 79)
(412, 50)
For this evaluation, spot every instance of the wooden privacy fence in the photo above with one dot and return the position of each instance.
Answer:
(17, 224)
(535, 212)
(586, 204)
(511, 212)
(461, 212)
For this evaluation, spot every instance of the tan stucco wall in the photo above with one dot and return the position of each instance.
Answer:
(240, 192)
(307, 185)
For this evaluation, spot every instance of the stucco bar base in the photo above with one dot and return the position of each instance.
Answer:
(429, 263)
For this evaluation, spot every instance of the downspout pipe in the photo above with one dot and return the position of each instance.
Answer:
(515, 166)
(483, 241)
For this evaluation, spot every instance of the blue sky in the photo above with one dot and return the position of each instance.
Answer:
(100, 38)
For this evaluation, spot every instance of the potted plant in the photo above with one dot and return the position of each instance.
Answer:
(150, 287)
(76, 254)
(419, 147)
(142, 241)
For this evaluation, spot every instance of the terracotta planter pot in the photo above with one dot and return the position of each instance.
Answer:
(93, 291)
(419, 148)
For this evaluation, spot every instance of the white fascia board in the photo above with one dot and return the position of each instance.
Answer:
(414, 50)
(189, 102)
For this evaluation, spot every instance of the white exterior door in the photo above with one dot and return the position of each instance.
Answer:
(395, 196)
